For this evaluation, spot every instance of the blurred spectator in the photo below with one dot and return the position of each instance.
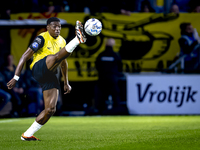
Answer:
(158, 5)
(174, 9)
(5, 10)
(196, 9)
(5, 103)
(189, 44)
(18, 6)
(120, 7)
(125, 7)
(27, 95)
(79, 5)
(109, 67)
(18, 91)
(146, 6)
(5, 98)
(34, 94)
(51, 6)
(183, 5)
(8, 72)
(195, 6)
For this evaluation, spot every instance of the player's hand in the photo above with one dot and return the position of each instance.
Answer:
(67, 88)
(11, 83)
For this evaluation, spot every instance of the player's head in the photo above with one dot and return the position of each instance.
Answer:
(110, 42)
(54, 26)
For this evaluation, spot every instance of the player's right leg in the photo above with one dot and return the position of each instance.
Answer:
(53, 61)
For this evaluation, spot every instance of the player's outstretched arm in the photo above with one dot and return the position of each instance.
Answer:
(25, 57)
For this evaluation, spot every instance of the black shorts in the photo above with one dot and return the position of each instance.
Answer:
(47, 79)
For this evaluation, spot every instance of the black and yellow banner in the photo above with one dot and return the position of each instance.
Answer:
(145, 42)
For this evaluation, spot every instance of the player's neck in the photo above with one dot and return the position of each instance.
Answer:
(52, 36)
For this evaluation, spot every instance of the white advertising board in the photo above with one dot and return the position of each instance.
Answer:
(163, 94)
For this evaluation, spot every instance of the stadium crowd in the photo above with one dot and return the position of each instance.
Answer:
(90, 6)
(27, 93)
(26, 96)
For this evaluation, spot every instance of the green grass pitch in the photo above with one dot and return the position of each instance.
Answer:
(105, 133)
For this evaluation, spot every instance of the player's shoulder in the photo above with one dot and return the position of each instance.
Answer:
(44, 35)
(37, 43)
(62, 39)
(40, 40)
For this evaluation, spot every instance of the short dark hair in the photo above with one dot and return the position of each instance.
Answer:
(52, 19)
(183, 26)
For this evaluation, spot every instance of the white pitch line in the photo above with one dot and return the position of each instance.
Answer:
(14, 120)
(10, 120)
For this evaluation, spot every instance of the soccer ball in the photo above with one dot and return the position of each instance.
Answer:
(93, 27)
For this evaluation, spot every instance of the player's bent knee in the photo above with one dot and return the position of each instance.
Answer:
(50, 111)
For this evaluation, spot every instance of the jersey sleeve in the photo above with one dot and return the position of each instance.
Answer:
(65, 42)
(37, 43)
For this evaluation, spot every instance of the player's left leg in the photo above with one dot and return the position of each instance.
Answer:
(50, 101)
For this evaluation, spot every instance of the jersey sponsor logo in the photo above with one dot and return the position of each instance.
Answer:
(35, 45)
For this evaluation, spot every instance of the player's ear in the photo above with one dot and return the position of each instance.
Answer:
(47, 27)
